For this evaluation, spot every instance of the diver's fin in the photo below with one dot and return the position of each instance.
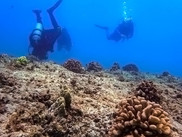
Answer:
(64, 41)
(37, 11)
(54, 6)
(101, 27)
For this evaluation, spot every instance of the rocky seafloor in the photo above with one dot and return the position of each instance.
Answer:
(45, 99)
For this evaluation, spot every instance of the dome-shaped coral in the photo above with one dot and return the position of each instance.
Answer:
(73, 65)
(94, 66)
(131, 68)
(137, 117)
(149, 91)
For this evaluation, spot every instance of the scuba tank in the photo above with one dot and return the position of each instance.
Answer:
(37, 32)
(36, 35)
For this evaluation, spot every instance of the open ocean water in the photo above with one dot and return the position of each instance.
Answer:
(156, 45)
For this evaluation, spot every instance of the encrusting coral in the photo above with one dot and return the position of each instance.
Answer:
(137, 117)
(149, 91)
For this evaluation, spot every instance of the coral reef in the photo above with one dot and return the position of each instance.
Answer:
(149, 91)
(131, 68)
(94, 66)
(3, 101)
(4, 58)
(115, 67)
(165, 74)
(45, 99)
(73, 65)
(138, 117)
(32, 58)
(22, 60)
(50, 120)
(121, 78)
(6, 80)
(172, 103)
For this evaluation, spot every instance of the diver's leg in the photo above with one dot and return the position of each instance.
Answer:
(37, 13)
(51, 10)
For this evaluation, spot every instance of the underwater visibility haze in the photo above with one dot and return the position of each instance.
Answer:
(154, 47)
(91, 68)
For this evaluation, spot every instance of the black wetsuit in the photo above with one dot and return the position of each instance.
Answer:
(48, 37)
(46, 43)
(123, 31)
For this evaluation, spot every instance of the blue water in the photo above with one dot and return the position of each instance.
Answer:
(155, 46)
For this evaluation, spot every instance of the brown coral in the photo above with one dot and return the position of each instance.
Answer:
(138, 117)
(94, 66)
(115, 67)
(131, 68)
(149, 91)
(73, 65)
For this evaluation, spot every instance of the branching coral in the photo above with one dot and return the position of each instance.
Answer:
(137, 117)
(149, 91)
(73, 65)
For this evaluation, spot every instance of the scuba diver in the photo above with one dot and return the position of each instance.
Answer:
(42, 41)
(123, 31)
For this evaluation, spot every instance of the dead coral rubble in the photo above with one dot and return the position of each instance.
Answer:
(94, 66)
(137, 117)
(3, 101)
(167, 77)
(4, 58)
(38, 119)
(73, 65)
(6, 80)
(149, 91)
